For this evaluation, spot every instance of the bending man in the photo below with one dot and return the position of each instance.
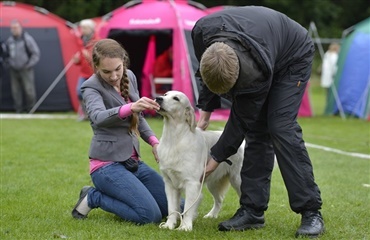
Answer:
(260, 60)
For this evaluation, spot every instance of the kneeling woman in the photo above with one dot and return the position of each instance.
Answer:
(124, 184)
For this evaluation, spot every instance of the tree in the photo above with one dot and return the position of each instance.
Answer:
(330, 16)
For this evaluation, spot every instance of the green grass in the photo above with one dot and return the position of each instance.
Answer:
(44, 165)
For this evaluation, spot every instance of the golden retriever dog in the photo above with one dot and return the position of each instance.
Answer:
(183, 152)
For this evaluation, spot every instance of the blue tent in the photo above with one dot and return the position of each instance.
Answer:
(352, 80)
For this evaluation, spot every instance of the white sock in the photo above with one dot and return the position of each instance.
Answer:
(83, 208)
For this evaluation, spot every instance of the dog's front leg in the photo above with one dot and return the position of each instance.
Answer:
(173, 200)
(192, 200)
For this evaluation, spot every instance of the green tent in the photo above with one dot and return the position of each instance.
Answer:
(352, 81)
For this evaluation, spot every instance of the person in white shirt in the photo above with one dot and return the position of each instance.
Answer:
(329, 65)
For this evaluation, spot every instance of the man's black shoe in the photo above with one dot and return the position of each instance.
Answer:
(312, 225)
(243, 219)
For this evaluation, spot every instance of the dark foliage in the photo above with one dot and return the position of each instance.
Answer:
(330, 16)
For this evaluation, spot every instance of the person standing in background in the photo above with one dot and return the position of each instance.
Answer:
(24, 54)
(329, 66)
(3, 59)
(83, 59)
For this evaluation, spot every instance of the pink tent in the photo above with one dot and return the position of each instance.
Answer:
(147, 28)
(218, 8)
(305, 110)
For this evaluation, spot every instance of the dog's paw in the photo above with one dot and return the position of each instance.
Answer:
(211, 215)
(185, 227)
(167, 225)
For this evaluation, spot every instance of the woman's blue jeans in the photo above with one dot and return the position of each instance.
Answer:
(137, 197)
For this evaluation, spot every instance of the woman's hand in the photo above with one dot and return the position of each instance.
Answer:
(155, 153)
(86, 53)
(76, 58)
(144, 103)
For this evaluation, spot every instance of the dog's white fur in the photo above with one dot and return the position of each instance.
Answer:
(183, 151)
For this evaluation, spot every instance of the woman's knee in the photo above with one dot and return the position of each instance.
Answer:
(152, 215)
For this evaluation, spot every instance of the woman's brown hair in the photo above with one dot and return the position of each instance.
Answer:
(109, 48)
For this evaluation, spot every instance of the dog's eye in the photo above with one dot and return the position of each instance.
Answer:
(176, 98)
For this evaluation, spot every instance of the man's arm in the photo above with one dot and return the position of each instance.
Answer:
(34, 50)
(204, 117)
(230, 139)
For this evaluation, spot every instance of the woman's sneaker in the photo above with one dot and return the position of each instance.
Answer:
(81, 208)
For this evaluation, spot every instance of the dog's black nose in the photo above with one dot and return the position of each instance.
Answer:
(159, 100)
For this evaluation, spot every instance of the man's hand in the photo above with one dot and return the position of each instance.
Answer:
(211, 166)
(203, 122)
(203, 125)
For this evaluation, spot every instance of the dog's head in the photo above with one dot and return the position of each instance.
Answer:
(176, 107)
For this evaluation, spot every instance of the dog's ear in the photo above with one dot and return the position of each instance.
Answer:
(190, 118)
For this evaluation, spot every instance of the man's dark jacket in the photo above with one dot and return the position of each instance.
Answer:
(273, 40)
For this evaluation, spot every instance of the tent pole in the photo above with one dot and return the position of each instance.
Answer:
(337, 100)
(191, 72)
(51, 87)
(313, 30)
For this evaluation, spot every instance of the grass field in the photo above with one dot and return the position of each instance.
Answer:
(44, 165)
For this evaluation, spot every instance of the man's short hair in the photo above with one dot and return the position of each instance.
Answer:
(219, 67)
